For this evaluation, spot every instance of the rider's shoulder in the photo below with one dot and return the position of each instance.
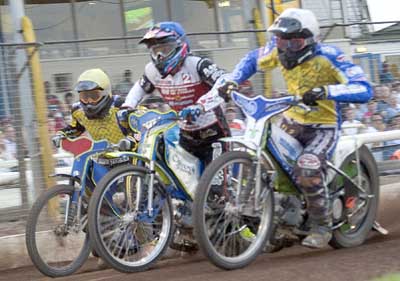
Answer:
(75, 107)
(329, 51)
(194, 60)
(150, 70)
(118, 101)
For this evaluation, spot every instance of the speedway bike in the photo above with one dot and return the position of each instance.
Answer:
(257, 192)
(150, 199)
(56, 232)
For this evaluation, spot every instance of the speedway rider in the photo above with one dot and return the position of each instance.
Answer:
(324, 77)
(96, 111)
(181, 79)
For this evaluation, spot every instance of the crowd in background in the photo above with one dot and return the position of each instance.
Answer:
(382, 113)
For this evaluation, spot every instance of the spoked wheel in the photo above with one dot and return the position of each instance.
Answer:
(56, 244)
(230, 227)
(124, 233)
(356, 209)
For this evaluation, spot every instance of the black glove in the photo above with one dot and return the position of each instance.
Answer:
(123, 114)
(128, 144)
(56, 140)
(311, 97)
(226, 89)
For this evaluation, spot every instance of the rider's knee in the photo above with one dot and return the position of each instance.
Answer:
(308, 170)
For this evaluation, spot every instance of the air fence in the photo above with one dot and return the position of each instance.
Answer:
(21, 165)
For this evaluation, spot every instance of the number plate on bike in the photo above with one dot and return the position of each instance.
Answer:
(185, 166)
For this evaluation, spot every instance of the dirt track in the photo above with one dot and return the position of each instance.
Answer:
(380, 255)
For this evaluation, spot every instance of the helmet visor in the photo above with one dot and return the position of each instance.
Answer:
(285, 26)
(86, 86)
(293, 44)
(163, 50)
(92, 96)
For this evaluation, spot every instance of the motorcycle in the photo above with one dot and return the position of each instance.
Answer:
(133, 229)
(56, 231)
(249, 187)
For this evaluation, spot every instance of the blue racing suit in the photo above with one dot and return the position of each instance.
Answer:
(317, 130)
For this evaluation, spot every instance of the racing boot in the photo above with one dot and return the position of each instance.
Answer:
(318, 238)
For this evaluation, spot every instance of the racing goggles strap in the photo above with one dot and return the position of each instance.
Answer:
(293, 44)
(163, 50)
(92, 96)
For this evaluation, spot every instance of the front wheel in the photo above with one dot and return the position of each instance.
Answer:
(128, 236)
(56, 245)
(357, 210)
(230, 227)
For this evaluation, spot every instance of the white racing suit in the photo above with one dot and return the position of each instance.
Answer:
(193, 80)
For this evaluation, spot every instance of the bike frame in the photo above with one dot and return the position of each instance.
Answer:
(83, 149)
(259, 111)
(152, 126)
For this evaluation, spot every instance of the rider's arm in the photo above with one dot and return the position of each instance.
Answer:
(74, 129)
(354, 86)
(142, 87)
(138, 91)
(208, 71)
(258, 59)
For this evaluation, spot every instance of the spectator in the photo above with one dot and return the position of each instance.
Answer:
(396, 90)
(392, 110)
(57, 115)
(382, 96)
(3, 154)
(378, 124)
(68, 100)
(394, 145)
(349, 114)
(371, 109)
(385, 76)
(9, 142)
(370, 129)
(122, 88)
(55, 107)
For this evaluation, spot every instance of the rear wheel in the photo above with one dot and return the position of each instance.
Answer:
(358, 211)
(123, 232)
(57, 246)
(230, 231)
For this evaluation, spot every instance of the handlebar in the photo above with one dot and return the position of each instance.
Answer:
(298, 101)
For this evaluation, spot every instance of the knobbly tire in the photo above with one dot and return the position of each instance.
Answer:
(370, 173)
(30, 237)
(201, 231)
(95, 204)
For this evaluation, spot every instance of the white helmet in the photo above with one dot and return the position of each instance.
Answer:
(296, 21)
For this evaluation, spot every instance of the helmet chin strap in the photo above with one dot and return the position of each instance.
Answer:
(290, 60)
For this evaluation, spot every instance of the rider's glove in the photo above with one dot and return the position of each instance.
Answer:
(128, 143)
(191, 113)
(56, 140)
(123, 114)
(227, 88)
(311, 97)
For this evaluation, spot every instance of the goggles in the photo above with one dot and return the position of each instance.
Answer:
(293, 44)
(92, 96)
(163, 50)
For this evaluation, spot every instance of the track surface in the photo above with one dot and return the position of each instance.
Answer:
(379, 256)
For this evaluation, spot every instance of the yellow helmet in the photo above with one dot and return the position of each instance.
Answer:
(94, 88)
(93, 79)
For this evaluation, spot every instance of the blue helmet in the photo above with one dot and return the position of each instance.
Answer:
(168, 46)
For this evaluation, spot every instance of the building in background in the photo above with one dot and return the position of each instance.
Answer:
(126, 20)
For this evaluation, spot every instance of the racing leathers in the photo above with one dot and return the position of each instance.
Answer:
(317, 131)
(193, 80)
(109, 128)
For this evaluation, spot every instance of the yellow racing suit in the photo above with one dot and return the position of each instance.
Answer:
(108, 128)
(317, 130)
